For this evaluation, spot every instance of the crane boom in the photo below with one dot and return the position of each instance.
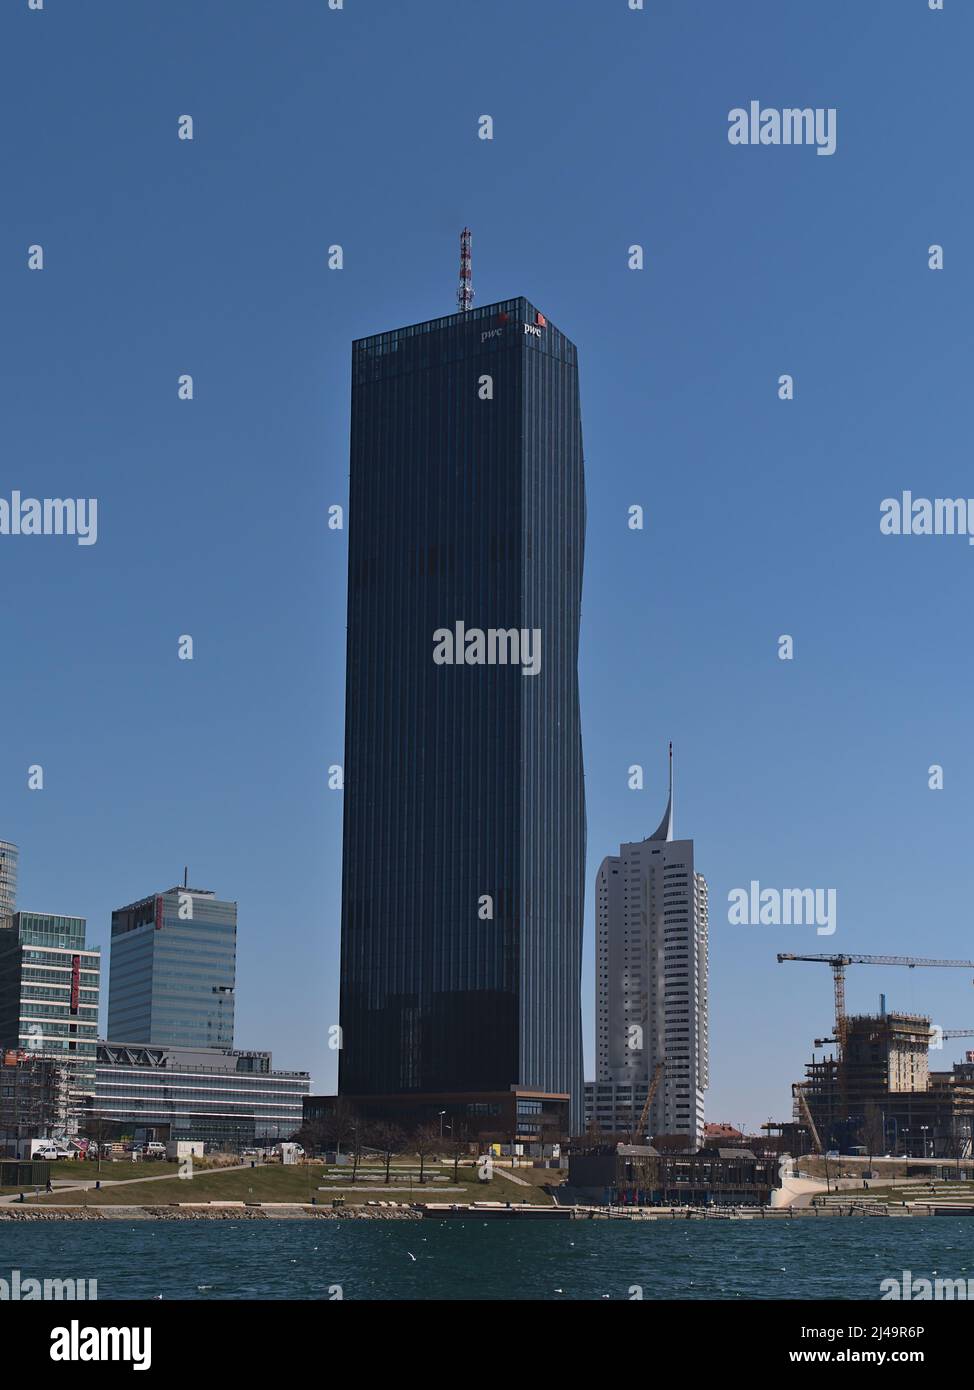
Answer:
(839, 961)
(799, 1093)
(650, 1097)
(910, 961)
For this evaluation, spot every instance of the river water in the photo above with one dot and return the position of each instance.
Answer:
(834, 1258)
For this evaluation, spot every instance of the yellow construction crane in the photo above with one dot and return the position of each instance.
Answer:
(839, 963)
(650, 1097)
(798, 1091)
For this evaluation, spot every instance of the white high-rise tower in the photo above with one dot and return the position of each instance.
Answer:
(651, 985)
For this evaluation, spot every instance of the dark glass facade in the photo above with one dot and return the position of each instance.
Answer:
(463, 781)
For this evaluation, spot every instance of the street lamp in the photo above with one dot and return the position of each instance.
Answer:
(442, 1113)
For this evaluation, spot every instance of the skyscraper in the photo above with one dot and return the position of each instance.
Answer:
(172, 971)
(464, 831)
(651, 985)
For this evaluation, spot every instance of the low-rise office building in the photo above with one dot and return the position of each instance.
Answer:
(641, 1175)
(613, 1107)
(228, 1098)
(531, 1121)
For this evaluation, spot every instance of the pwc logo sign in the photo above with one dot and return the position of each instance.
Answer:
(533, 328)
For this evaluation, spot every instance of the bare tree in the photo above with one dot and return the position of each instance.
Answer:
(460, 1141)
(339, 1123)
(99, 1131)
(389, 1139)
(426, 1141)
(312, 1136)
(873, 1131)
(360, 1135)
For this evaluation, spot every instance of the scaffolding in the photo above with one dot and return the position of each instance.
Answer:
(35, 1097)
(882, 1096)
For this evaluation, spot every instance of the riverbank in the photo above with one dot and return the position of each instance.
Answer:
(276, 1211)
(215, 1211)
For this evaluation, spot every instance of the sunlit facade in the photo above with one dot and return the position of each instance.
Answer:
(173, 969)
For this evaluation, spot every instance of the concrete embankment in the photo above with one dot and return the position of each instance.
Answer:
(218, 1211)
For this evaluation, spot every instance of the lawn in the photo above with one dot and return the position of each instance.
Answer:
(85, 1170)
(298, 1183)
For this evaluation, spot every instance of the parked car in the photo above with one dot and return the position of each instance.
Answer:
(155, 1149)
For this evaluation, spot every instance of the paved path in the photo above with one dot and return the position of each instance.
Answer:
(498, 1172)
(68, 1185)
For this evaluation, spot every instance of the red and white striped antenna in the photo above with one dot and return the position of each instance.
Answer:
(465, 290)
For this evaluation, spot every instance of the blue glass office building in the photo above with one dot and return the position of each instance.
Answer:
(172, 972)
(464, 831)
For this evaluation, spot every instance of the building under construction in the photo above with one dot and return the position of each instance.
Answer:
(875, 1093)
(34, 1098)
(881, 1097)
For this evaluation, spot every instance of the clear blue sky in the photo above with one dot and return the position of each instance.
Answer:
(359, 127)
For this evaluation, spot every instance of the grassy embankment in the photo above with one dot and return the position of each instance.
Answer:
(301, 1182)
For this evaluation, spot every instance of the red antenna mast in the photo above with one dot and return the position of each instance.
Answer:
(465, 291)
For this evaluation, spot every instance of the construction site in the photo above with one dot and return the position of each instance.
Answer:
(874, 1093)
(34, 1098)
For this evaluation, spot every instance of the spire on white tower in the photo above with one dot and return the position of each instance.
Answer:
(665, 828)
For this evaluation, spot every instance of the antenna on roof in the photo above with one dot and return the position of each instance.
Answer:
(465, 290)
(186, 876)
